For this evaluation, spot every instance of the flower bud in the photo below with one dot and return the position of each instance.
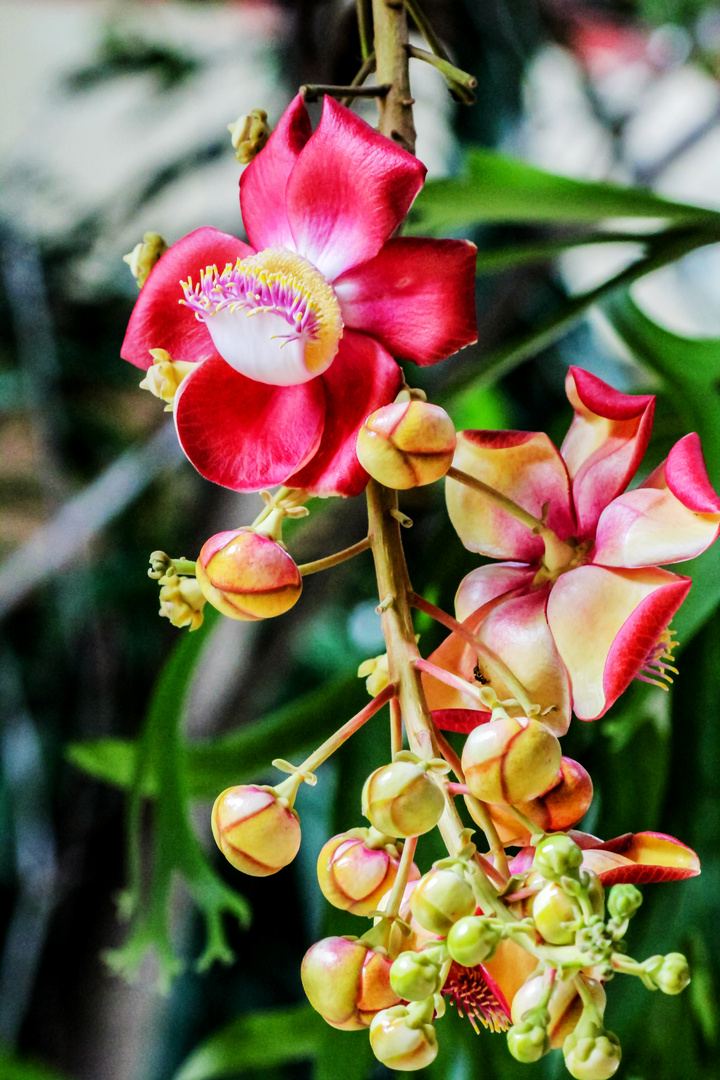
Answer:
(623, 901)
(556, 856)
(555, 912)
(510, 760)
(670, 973)
(592, 1053)
(440, 898)
(181, 601)
(164, 376)
(402, 800)
(347, 982)
(407, 444)
(256, 832)
(528, 1041)
(472, 940)
(564, 1008)
(249, 135)
(353, 876)
(376, 674)
(144, 255)
(415, 977)
(248, 576)
(399, 1046)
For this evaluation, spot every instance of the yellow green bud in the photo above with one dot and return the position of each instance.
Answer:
(415, 977)
(256, 832)
(440, 898)
(164, 376)
(670, 973)
(181, 601)
(557, 856)
(247, 575)
(144, 255)
(528, 1041)
(402, 800)
(511, 760)
(623, 901)
(401, 1047)
(347, 982)
(376, 675)
(407, 444)
(472, 940)
(249, 135)
(591, 1053)
(564, 1008)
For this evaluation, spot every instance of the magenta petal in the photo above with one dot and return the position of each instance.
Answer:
(243, 434)
(159, 320)
(605, 443)
(264, 182)
(417, 297)
(642, 858)
(348, 192)
(685, 474)
(362, 377)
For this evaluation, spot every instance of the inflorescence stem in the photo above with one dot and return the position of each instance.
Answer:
(333, 560)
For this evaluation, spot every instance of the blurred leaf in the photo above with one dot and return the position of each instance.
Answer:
(690, 369)
(21, 1068)
(499, 188)
(259, 1040)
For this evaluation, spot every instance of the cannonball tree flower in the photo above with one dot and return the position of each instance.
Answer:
(293, 334)
(582, 605)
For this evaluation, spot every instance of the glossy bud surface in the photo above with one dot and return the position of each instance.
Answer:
(248, 576)
(255, 831)
(407, 444)
(509, 761)
(439, 899)
(402, 800)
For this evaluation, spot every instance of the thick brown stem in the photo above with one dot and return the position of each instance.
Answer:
(391, 59)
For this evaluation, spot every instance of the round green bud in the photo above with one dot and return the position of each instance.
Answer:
(439, 899)
(594, 1054)
(401, 800)
(555, 911)
(623, 901)
(399, 1046)
(557, 856)
(472, 940)
(528, 1041)
(414, 977)
(670, 973)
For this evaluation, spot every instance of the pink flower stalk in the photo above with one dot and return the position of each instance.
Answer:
(294, 333)
(583, 607)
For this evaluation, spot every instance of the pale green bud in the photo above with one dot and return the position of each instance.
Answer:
(399, 1046)
(528, 1041)
(472, 940)
(670, 973)
(557, 856)
(402, 800)
(144, 255)
(623, 901)
(440, 898)
(414, 977)
(591, 1053)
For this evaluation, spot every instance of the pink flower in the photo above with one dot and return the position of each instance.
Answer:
(580, 612)
(293, 333)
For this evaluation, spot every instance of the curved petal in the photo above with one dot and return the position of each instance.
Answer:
(674, 515)
(515, 628)
(247, 435)
(510, 967)
(264, 182)
(363, 376)
(159, 320)
(607, 624)
(605, 443)
(349, 191)
(486, 583)
(462, 720)
(642, 858)
(417, 297)
(525, 467)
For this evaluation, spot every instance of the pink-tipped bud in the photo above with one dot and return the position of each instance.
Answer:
(511, 760)
(354, 876)
(402, 800)
(255, 830)
(347, 982)
(565, 1005)
(247, 575)
(407, 444)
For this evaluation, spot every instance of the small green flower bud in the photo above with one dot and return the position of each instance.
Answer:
(511, 760)
(528, 1041)
(414, 977)
(670, 973)
(399, 1046)
(472, 940)
(623, 901)
(402, 800)
(440, 898)
(181, 601)
(557, 856)
(591, 1053)
(565, 1006)
(144, 255)
(249, 135)
(555, 911)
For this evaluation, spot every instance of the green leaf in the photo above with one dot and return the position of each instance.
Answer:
(690, 370)
(22, 1068)
(111, 760)
(259, 1040)
(497, 188)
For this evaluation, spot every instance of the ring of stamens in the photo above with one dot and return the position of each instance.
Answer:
(657, 668)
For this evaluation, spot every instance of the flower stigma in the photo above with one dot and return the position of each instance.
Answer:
(272, 317)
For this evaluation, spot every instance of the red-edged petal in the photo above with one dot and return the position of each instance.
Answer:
(159, 320)
(605, 443)
(243, 434)
(362, 377)
(642, 858)
(462, 720)
(607, 624)
(524, 466)
(416, 296)
(264, 182)
(348, 192)
(486, 583)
